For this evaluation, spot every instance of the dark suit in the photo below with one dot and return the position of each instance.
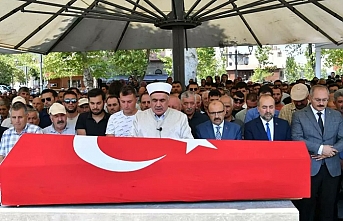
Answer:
(254, 130)
(324, 174)
(231, 131)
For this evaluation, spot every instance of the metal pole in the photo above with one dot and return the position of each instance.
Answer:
(26, 76)
(40, 73)
(236, 64)
(179, 44)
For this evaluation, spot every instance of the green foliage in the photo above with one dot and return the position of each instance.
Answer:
(6, 72)
(260, 74)
(294, 49)
(292, 70)
(167, 63)
(265, 68)
(207, 62)
(334, 58)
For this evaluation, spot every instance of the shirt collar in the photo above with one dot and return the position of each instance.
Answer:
(271, 122)
(315, 111)
(220, 125)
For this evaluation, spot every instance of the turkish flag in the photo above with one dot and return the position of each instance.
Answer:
(62, 169)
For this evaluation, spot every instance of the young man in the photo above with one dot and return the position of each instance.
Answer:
(93, 123)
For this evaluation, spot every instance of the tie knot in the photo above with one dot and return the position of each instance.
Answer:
(267, 124)
(319, 114)
(218, 128)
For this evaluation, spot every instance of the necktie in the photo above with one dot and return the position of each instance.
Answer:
(268, 132)
(320, 122)
(218, 135)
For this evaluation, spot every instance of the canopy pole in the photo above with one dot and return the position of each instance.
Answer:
(179, 54)
(178, 43)
(318, 61)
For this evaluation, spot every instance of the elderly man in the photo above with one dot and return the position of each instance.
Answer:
(120, 123)
(174, 102)
(32, 115)
(217, 128)
(161, 121)
(4, 109)
(58, 115)
(267, 127)
(20, 127)
(338, 100)
(228, 103)
(188, 101)
(299, 96)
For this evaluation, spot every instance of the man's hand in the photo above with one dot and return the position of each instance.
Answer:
(318, 157)
(329, 151)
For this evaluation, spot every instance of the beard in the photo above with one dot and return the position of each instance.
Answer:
(98, 112)
(71, 111)
(267, 116)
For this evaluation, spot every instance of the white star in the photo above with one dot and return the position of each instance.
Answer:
(193, 143)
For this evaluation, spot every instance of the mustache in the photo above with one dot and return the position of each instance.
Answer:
(61, 122)
(189, 109)
(320, 105)
(217, 118)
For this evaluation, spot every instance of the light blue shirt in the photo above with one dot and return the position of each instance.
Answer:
(253, 113)
(67, 130)
(220, 129)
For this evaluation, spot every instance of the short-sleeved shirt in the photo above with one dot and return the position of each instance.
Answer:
(67, 130)
(119, 124)
(93, 128)
(10, 137)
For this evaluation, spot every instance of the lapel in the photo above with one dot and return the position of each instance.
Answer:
(225, 134)
(276, 130)
(210, 131)
(328, 120)
(260, 127)
(310, 115)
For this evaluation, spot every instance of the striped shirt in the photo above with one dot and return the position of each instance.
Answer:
(10, 137)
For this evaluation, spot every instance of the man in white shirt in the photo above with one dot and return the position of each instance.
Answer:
(161, 121)
(58, 118)
(120, 123)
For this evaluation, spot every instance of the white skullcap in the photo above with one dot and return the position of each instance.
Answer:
(159, 87)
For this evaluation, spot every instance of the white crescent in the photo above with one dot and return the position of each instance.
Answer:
(87, 148)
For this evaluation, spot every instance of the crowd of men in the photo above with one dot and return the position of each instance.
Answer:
(221, 109)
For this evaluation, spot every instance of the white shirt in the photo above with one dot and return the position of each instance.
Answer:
(72, 121)
(320, 150)
(271, 126)
(220, 129)
(119, 124)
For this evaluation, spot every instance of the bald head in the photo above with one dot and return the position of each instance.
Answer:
(174, 102)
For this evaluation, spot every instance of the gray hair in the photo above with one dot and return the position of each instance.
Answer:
(32, 109)
(224, 96)
(187, 94)
(317, 87)
(338, 93)
(18, 106)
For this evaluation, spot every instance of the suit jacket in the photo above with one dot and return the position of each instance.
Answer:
(305, 128)
(254, 130)
(231, 131)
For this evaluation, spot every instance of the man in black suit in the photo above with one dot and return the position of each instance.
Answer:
(266, 126)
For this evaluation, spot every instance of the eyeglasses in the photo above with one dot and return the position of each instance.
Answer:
(193, 89)
(47, 99)
(319, 100)
(237, 100)
(70, 100)
(216, 113)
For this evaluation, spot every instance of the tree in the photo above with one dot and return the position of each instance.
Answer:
(265, 68)
(292, 70)
(333, 58)
(96, 64)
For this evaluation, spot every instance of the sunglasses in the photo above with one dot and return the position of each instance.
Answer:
(237, 100)
(47, 99)
(70, 100)
(193, 89)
